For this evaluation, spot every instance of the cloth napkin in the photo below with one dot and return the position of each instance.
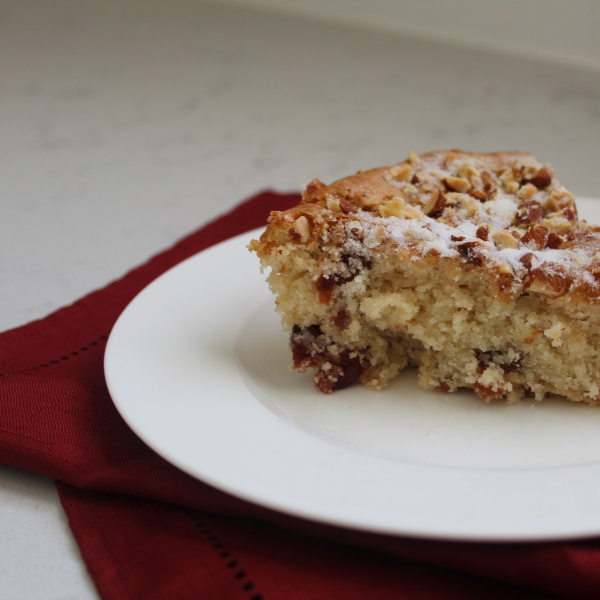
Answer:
(147, 530)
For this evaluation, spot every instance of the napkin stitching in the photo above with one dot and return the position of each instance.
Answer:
(64, 357)
(246, 584)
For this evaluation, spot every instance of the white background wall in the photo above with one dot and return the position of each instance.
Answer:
(566, 31)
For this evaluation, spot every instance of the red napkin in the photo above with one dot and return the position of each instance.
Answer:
(147, 530)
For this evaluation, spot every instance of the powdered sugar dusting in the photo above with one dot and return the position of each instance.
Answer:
(499, 212)
(425, 235)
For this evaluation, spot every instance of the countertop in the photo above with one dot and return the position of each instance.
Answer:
(125, 126)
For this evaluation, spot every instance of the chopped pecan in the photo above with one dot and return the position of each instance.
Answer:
(594, 271)
(527, 191)
(458, 184)
(487, 178)
(557, 224)
(399, 208)
(478, 195)
(470, 252)
(468, 171)
(505, 239)
(535, 237)
(401, 172)
(457, 238)
(300, 230)
(529, 260)
(528, 213)
(555, 241)
(512, 187)
(469, 205)
(559, 199)
(541, 179)
(347, 206)
(490, 190)
(332, 203)
(436, 205)
(483, 233)
(549, 279)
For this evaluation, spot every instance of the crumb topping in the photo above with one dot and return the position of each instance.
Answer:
(491, 210)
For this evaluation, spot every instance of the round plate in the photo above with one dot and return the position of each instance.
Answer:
(198, 366)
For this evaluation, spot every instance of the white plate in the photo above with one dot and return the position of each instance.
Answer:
(198, 367)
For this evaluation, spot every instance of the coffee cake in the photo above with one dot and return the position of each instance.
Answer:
(473, 267)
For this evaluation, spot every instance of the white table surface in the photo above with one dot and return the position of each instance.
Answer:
(124, 126)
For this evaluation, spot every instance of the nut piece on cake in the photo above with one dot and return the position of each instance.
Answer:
(473, 267)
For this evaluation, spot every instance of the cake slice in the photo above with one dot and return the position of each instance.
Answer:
(472, 267)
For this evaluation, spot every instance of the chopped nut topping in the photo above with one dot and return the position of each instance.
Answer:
(409, 189)
(470, 251)
(478, 195)
(401, 172)
(483, 233)
(487, 178)
(505, 239)
(555, 241)
(436, 205)
(506, 176)
(527, 191)
(535, 237)
(529, 261)
(467, 171)
(450, 158)
(413, 157)
(541, 179)
(452, 198)
(557, 224)
(528, 213)
(490, 190)
(470, 205)
(347, 206)
(511, 187)
(300, 229)
(458, 184)
(549, 279)
(398, 208)
(559, 199)
(332, 203)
